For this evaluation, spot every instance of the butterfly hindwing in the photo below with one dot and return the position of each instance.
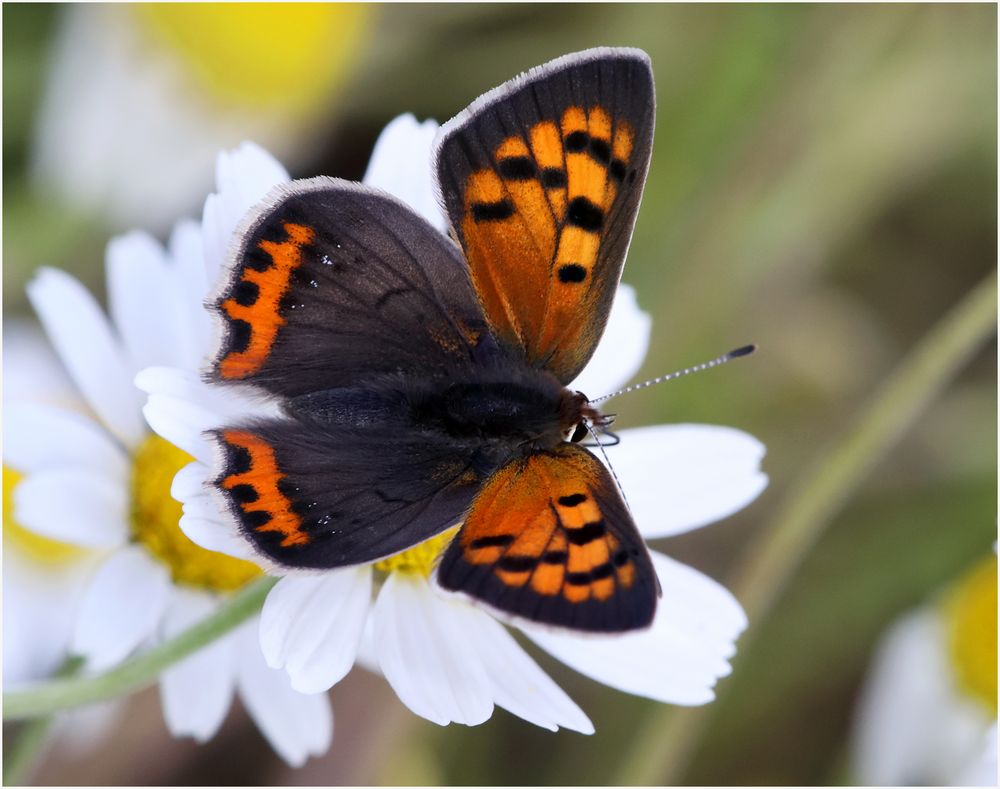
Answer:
(308, 492)
(332, 281)
(549, 539)
(542, 178)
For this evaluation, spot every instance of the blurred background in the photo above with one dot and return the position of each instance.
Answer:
(824, 183)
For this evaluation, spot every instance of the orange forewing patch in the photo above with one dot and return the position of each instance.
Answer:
(532, 227)
(270, 506)
(262, 313)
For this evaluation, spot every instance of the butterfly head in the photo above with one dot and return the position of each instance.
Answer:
(576, 413)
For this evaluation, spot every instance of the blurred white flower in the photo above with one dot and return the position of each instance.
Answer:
(928, 711)
(102, 484)
(42, 578)
(447, 659)
(139, 99)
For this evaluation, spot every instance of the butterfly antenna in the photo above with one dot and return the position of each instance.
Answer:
(607, 460)
(746, 350)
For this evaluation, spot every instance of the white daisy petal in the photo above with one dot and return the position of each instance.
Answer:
(189, 261)
(197, 691)
(243, 178)
(226, 402)
(297, 725)
(31, 369)
(311, 626)
(77, 507)
(698, 606)
(622, 348)
(189, 482)
(678, 659)
(45, 437)
(517, 682)
(367, 656)
(122, 607)
(681, 477)
(424, 653)
(214, 534)
(87, 346)
(145, 302)
(911, 726)
(401, 165)
(982, 770)
(183, 424)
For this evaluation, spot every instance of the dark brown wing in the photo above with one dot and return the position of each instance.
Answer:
(332, 281)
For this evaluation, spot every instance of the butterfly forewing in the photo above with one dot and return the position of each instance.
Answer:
(549, 539)
(332, 282)
(542, 179)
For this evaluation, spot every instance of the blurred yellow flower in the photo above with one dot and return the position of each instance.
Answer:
(288, 56)
(971, 610)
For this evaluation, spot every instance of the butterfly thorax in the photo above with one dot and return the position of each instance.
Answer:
(521, 408)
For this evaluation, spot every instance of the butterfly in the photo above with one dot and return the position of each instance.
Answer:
(423, 378)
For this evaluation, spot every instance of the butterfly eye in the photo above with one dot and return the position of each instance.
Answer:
(580, 433)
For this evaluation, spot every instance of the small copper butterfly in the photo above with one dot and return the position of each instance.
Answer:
(423, 378)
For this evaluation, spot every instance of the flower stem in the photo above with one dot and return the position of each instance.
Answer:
(141, 670)
(23, 752)
(670, 736)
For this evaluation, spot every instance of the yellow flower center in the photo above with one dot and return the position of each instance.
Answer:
(155, 519)
(282, 56)
(971, 610)
(420, 558)
(36, 547)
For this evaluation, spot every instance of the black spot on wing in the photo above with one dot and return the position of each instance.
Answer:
(572, 272)
(244, 494)
(238, 338)
(257, 259)
(586, 533)
(584, 214)
(256, 518)
(602, 571)
(517, 564)
(493, 541)
(238, 460)
(517, 168)
(600, 150)
(245, 293)
(492, 212)
(576, 141)
(573, 500)
(554, 178)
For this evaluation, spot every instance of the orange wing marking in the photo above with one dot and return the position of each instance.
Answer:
(254, 487)
(533, 223)
(537, 522)
(253, 308)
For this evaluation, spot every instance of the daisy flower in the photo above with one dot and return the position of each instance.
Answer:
(928, 711)
(100, 481)
(42, 578)
(446, 659)
(139, 99)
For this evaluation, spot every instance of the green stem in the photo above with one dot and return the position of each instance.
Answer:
(21, 756)
(140, 671)
(669, 737)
